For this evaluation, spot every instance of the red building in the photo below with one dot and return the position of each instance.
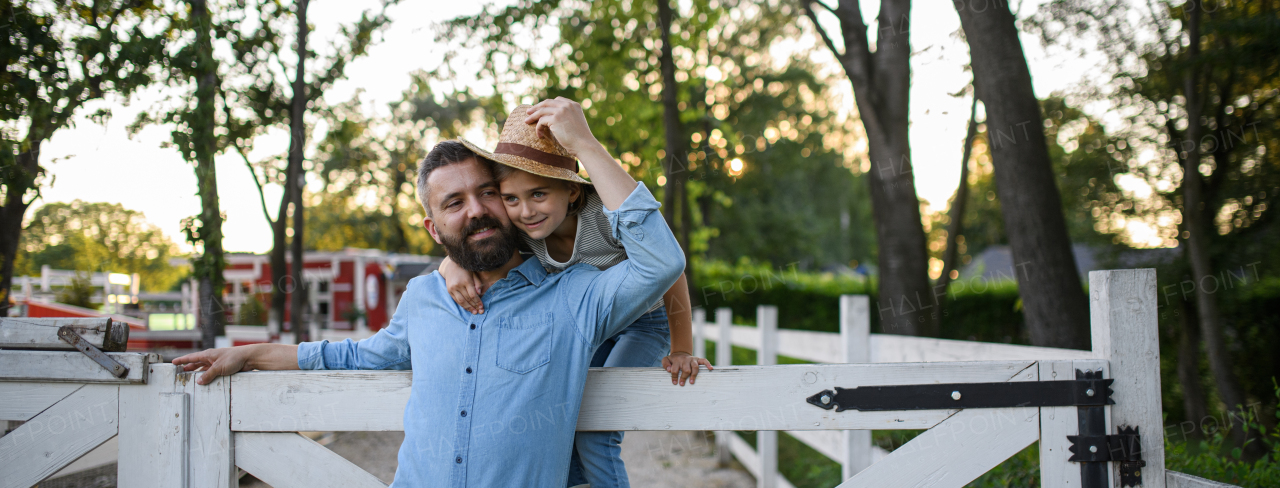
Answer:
(352, 290)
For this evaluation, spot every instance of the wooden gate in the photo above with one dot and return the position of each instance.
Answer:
(174, 433)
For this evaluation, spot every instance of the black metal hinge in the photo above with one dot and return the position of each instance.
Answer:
(111, 365)
(967, 395)
(1124, 448)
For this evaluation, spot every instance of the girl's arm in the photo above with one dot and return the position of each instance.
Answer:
(681, 363)
(462, 285)
(564, 119)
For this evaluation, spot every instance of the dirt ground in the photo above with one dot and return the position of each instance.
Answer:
(654, 459)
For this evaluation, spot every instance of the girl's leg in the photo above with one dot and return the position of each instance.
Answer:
(642, 344)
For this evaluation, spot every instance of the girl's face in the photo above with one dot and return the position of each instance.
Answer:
(537, 205)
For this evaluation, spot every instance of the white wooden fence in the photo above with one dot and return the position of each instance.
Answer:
(853, 449)
(172, 432)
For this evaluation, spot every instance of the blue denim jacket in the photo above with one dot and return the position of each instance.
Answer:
(495, 396)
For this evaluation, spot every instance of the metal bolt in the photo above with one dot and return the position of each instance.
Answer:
(1089, 392)
(955, 395)
(826, 400)
(1093, 448)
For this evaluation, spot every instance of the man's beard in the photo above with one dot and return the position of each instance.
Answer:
(487, 254)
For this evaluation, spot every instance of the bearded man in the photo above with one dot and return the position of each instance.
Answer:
(495, 396)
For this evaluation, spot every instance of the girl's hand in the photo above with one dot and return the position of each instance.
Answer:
(463, 286)
(683, 367)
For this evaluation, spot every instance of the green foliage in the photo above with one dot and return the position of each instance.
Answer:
(1216, 458)
(978, 310)
(794, 198)
(253, 312)
(78, 293)
(98, 237)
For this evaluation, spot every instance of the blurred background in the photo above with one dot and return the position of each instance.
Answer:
(964, 163)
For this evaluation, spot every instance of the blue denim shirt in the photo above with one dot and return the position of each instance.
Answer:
(495, 396)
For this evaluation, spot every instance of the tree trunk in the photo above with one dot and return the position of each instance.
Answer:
(18, 180)
(1197, 229)
(956, 227)
(881, 85)
(298, 141)
(280, 286)
(212, 261)
(1189, 367)
(676, 163)
(1054, 303)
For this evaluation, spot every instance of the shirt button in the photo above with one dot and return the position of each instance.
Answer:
(473, 326)
(464, 413)
(468, 370)
(458, 460)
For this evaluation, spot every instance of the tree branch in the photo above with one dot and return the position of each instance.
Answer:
(262, 198)
(826, 39)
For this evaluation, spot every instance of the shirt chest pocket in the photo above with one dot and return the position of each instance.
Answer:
(524, 342)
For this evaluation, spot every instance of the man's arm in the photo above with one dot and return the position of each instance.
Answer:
(231, 360)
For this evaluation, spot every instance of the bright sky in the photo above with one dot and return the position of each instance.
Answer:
(100, 163)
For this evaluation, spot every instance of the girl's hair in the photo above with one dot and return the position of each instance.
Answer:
(502, 172)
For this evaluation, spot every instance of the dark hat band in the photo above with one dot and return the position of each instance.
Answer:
(521, 150)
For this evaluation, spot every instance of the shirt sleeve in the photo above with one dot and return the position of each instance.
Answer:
(387, 349)
(605, 302)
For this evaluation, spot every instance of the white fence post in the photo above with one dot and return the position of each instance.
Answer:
(699, 332)
(767, 355)
(855, 334)
(155, 431)
(1125, 332)
(724, 357)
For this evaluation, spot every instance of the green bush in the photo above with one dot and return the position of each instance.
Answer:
(976, 310)
(1217, 459)
(253, 312)
(78, 293)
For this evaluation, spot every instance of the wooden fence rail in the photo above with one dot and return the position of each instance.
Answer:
(172, 432)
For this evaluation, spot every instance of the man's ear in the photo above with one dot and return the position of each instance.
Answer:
(431, 229)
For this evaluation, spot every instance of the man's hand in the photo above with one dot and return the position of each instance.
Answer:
(683, 367)
(463, 286)
(563, 119)
(216, 362)
(232, 360)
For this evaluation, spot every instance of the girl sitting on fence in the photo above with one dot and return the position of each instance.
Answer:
(562, 222)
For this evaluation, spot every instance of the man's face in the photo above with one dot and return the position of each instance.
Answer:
(468, 218)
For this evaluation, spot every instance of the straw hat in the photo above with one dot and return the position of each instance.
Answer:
(520, 147)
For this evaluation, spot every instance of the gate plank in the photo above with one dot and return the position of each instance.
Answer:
(22, 400)
(212, 460)
(59, 436)
(289, 459)
(71, 366)
(154, 430)
(957, 451)
(729, 398)
(42, 333)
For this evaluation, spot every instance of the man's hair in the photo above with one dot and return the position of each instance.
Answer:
(444, 154)
(502, 172)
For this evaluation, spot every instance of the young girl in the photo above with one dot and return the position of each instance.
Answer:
(562, 222)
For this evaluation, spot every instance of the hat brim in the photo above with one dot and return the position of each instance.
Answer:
(526, 164)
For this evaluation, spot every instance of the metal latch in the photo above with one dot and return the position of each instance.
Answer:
(1125, 448)
(1068, 393)
(111, 365)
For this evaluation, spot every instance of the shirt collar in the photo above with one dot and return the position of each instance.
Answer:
(531, 270)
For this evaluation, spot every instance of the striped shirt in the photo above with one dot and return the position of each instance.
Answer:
(594, 243)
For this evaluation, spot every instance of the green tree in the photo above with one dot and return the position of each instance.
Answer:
(745, 115)
(98, 237)
(1197, 83)
(58, 56)
(881, 79)
(367, 166)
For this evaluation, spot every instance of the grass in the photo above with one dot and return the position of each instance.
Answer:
(169, 321)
